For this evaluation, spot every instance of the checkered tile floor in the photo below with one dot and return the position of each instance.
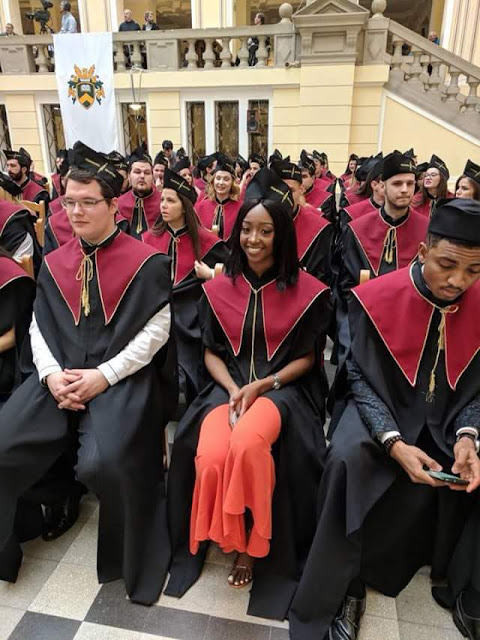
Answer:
(57, 597)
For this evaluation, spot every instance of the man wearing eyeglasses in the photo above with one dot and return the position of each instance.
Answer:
(100, 337)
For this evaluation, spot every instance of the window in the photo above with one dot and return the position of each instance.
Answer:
(226, 127)
(54, 134)
(196, 130)
(5, 141)
(257, 127)
(134, 125)
(53, 21)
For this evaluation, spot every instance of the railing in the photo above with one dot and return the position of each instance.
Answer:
(421, 64)
(175, 50)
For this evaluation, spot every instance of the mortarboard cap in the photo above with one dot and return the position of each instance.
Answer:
(224, 163)
(307, 162)
(438, 163)
(140, 155)
(421, 168)
(161, 158)
(23, 157)
(97, 164)
(172, 180)
(287, 170)
(266, 185)
(183, 163)
(472, 171)
(181, 153)
(205, 162)
(396, 163)
(256, 157)
(119, 162)
(457, 219)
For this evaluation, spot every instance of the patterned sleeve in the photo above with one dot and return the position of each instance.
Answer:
(373, 411)
(469, 416)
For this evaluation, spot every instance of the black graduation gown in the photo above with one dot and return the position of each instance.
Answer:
(373, 522)
(17, 291)
(33, 192)
(15, 223)
(295, 322)
(131, 282)
(140, 212)
(187, 290)
(314, 238)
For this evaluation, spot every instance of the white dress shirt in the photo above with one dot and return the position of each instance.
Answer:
(137, 354)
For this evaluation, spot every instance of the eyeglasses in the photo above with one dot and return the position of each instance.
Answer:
(86, 204)
(432, 175)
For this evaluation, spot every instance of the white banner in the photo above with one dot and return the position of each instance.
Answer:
(84, 70)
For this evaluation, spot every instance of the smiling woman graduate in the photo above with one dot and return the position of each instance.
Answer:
(264, 324)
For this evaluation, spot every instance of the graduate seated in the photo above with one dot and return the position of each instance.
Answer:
(197, 255)
(247, 456)
(104, 375)
(140, 206)
(19, 164)
(219, 209)
(468, 184)
(314, 233)
(400, 486)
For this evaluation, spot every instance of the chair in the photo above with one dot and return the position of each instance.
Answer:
(39, 224)
(26, 262)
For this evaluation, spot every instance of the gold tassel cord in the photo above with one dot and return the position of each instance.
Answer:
(141, 214)
(253, 375)
(218, 215)
(390, 245)
(85, 276)
(440, 347)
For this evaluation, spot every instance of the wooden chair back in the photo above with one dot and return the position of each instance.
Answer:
(39, 224)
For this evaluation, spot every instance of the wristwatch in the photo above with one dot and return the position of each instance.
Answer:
(277, 384)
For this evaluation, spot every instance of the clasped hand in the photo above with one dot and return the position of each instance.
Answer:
(242, 399)
(413, 459)
(74, 388)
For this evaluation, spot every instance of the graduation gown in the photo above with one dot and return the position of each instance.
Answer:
(17, 290)
(56, 185)
(314, 237)
(130, 283)
(350, 196)
(428, 208)
(222, 215)
(373, 521)
(141, 213)
(187, 290)
(354, 211)
(59, 230)
(55, 206)
(200, 184)
(33, 192)
(15, 223)
(281, 326)
(318, 198)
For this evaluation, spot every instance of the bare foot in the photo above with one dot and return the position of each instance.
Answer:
(242, 571)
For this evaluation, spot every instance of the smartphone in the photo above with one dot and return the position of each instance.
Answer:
(446, 477)
(233, 418)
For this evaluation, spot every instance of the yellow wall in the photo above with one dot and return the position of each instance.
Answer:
(436, 17)
(163, 119)
(24, 127)
(404, 128)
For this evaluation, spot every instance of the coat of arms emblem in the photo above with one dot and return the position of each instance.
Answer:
(85, 87)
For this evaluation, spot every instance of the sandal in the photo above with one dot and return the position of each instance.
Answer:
(248, 577)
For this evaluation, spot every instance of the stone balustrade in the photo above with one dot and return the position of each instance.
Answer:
(174, 50)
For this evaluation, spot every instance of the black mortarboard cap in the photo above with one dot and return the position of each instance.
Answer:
(183, 163)
(457, 219)
(140, 155)
(472, 171)
(172, 180)
(438, 163)
(287, 170)
(66, 164)
(118, 161)
(422, 167)
(376, 170)
(364, 167)
(9, 185)
(276, 155)
(266, 185)
(224, 163)
(307, 162)
(161, 158)
(181, 153)
(205, 162)
(242, 162)
(22, 155)
(396, 163)
(410, 153)
(97, 164)
(256, 157)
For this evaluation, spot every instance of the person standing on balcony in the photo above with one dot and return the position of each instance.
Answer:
(69, 24)
(129, 23)
(150, 24)
(253, 43)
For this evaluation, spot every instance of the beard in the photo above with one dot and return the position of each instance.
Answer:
(16, 177)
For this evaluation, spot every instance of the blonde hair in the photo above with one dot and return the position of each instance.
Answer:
(234, 191)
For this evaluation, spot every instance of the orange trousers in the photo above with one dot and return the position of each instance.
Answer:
(234, 471)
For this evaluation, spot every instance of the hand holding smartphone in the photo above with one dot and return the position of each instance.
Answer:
(448, 478)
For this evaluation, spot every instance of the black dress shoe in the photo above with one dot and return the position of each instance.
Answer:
(468, 626)
(59, 518)
(347, 623)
